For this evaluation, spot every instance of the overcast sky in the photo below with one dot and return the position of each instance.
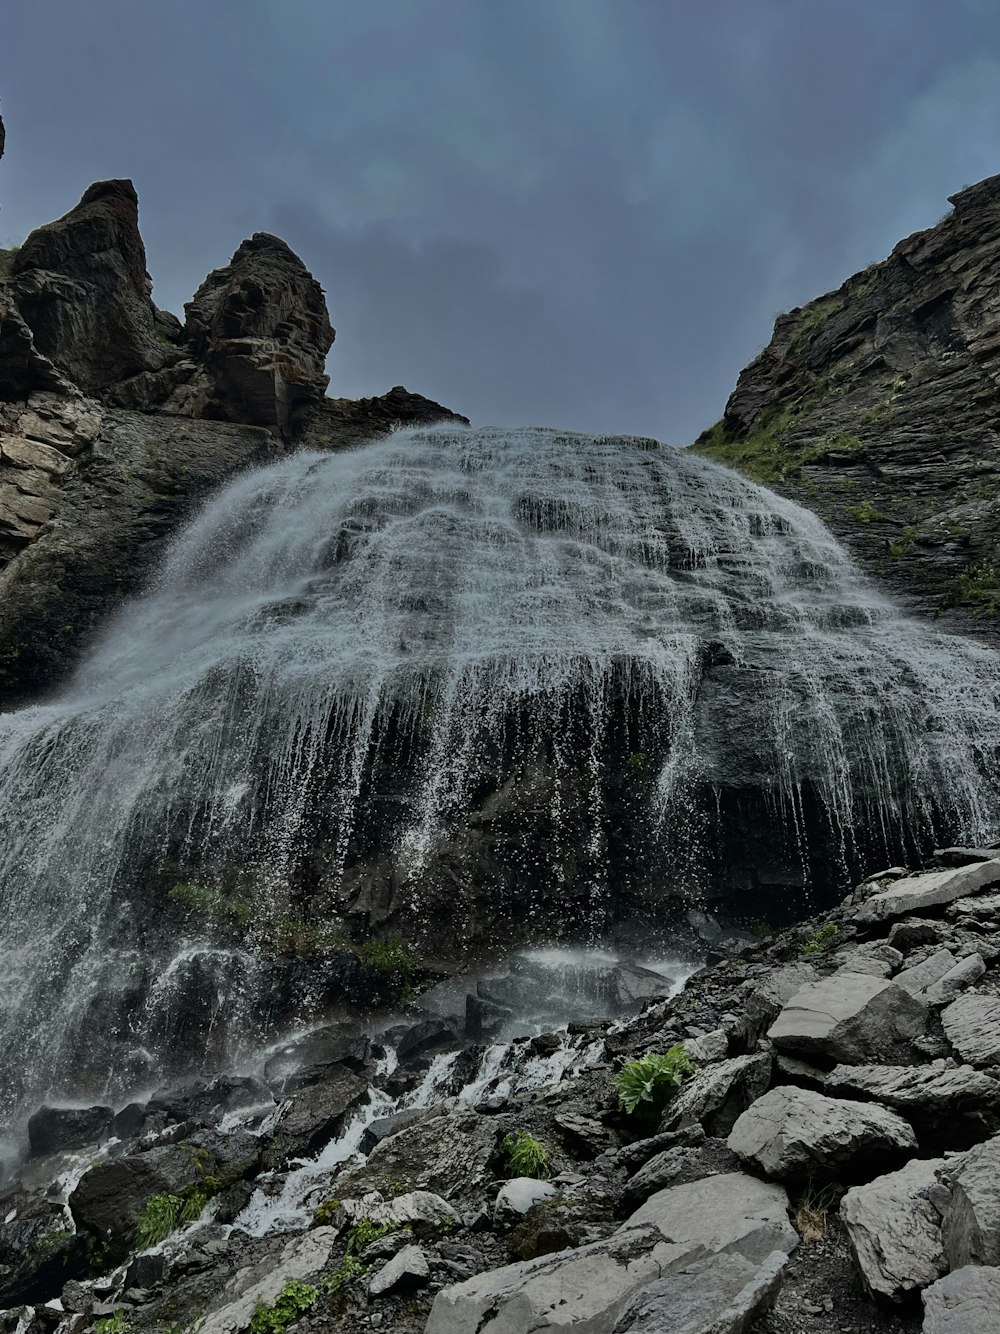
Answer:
(583, 213)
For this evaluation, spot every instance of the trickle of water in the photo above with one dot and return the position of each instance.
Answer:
(343, 654)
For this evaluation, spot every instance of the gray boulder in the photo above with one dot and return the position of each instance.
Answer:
(52, 1128)
(966, 1301)
(924, 974)
(970, 1226)
(937, 1094)
(407, 1269)
(717, 1095)
(956, 979)
(516, 1197)
(972, 1026)
(315, 1115)
(420, 1210)
(795, 1133)
(851, 1017)
(894, 1230)
(916, 893)
(591, 1287)
(722, 1294)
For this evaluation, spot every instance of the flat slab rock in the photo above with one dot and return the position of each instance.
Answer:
(937, 1089)
(966, 1301)
(915, 893)
(972, 1026)
(793, 1133)
(720, 1295)
(895, 1231)
(702, 1223)
(850, 1017)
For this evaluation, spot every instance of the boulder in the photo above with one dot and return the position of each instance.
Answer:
(851, 1017)
(722, 1294)
(569, 1219)
(718, 1094)
(924, 974)
(583, 1136)
(956, 979)
(970, 1225)
(110, 1196)
(972, 1026)
(208, 1100)
(408, 1268)
(662, 1170)
(894, 1230)
(516, 1197)
(794, 1133)
(731, 1211)
(448, 1154)
(53, 1128)
(966, 1301)
(420, 1210)
(232, 1308)
(934, 889)
(591, 1287)
(955, 1099)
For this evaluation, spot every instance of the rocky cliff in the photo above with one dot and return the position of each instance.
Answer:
(878, 406)
(116, 418)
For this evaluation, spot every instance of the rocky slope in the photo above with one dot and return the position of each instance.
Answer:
(827, 1158)
(877, 406)
(115, 419)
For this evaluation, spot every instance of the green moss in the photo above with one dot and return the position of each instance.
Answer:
(904, 543)
(979, 587)
(769, 454)
(866, 513)
(112, 1324)
(389, 954)
(6, 260)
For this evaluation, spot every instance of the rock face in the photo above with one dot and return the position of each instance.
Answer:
(99, 456)
(875, 405)
(81, 286)
(260, 332)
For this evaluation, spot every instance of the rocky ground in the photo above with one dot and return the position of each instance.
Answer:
(826, 1159)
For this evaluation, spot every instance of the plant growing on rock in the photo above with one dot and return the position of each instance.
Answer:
(294, 1299)
(526, 1156)
(390, 954)
(365, 1231)
(820, 938)
(653, 1079)
(112, 1324)
(163, 1213)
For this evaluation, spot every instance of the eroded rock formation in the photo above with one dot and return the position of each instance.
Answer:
(877, 406)
(115, 419)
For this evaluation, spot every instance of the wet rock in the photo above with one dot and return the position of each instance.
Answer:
(128, 1122)
(207, 1101)
(895, 1231)
(972, 1026)
(384, 1126)
(425, 1038)
(316, 1114)
(111, 1196)
(915, 894)
(516, 1197)
(307, 1059)
(795, 1133)
(407, 1269)
(970, 1226)
(54, 1128)
(448, 1154)
(966, 1301)
(484, 1018)
(853, 1018)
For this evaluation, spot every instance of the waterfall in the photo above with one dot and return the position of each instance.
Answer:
(466, 681)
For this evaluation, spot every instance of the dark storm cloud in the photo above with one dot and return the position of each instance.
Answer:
(563, 211)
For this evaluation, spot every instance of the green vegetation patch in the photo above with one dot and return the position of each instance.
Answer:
(820, 939)
(526, 1156)
(389, 954)
(769, 454)
(112, 1324)
(163, 1213)
(653, 1079)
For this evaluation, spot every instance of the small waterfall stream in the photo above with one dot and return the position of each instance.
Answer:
(455, 683)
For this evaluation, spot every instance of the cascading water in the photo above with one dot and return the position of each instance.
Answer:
(456, 679)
